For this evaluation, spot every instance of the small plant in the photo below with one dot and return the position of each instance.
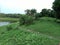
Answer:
(9, 27)
(17, 27)
(2, 33)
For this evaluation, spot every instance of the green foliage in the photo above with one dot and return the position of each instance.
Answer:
(9, 27)
(44, 12)
(31, 12)
(46, 26)
(12, 27)
(28, 12)
(29, 20)
(48, 13)
(43, 32)
(56, 7)
(10, 15)
(21, 20)
(58, 21)
(37, 15)
(23, 37)
(25, 19)
(52, 14)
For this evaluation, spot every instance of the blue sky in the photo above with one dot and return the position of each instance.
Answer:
(18, 6)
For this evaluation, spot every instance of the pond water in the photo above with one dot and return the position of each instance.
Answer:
(4, 23)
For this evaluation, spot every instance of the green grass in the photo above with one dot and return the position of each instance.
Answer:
(9, 19)
(46, 26)
(23, 37)
(44, 32)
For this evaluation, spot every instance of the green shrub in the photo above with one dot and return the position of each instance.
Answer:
(58, 20)
(21, 20)
(24, 19)
(29, 20)
(9, 27)
(37, 15)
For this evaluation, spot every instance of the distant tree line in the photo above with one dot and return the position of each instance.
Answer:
(44, 12)
(10, 15)
(55, 13)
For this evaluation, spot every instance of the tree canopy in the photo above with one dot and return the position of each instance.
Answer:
(56, 7)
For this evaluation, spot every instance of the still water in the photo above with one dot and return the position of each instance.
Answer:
(4, 23)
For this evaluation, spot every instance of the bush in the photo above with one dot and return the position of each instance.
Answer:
(58, 20)
(24, 19)
(9, 27)
(29, 20)
(37, 15)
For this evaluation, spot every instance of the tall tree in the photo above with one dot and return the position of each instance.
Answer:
(44, 12)
(56, 7)
(28, 12)
(33, 12)
(52, 14)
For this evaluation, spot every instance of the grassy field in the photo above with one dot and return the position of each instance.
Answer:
(45, 31)
(9, 19)
(47, 26)
(23, 37)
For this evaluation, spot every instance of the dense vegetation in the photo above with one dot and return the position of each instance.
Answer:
(46, 25)
(56, 7)
(39, 33)
(10, 15)
(32, 28)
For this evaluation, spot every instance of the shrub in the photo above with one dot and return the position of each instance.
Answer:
(9, 27)
(58, 20)
(37, 15)
(29, 20)
(24, 19)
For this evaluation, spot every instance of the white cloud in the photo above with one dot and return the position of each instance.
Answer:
(21, 5)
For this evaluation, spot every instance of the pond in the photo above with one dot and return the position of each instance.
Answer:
(4, 23)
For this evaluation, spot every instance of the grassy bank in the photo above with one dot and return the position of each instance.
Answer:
(23, 37)
(9, 19)
(47, 26)
(45, 31)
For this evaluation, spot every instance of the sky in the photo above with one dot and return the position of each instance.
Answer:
(18, 6)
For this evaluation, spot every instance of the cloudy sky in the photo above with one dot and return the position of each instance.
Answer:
(18, 6)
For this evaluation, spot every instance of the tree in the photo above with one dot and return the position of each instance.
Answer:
(56, 8)
(28, 12)
(52, 14)
(33, 12)
(37, 15)
(44, 12)
(48, 13)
